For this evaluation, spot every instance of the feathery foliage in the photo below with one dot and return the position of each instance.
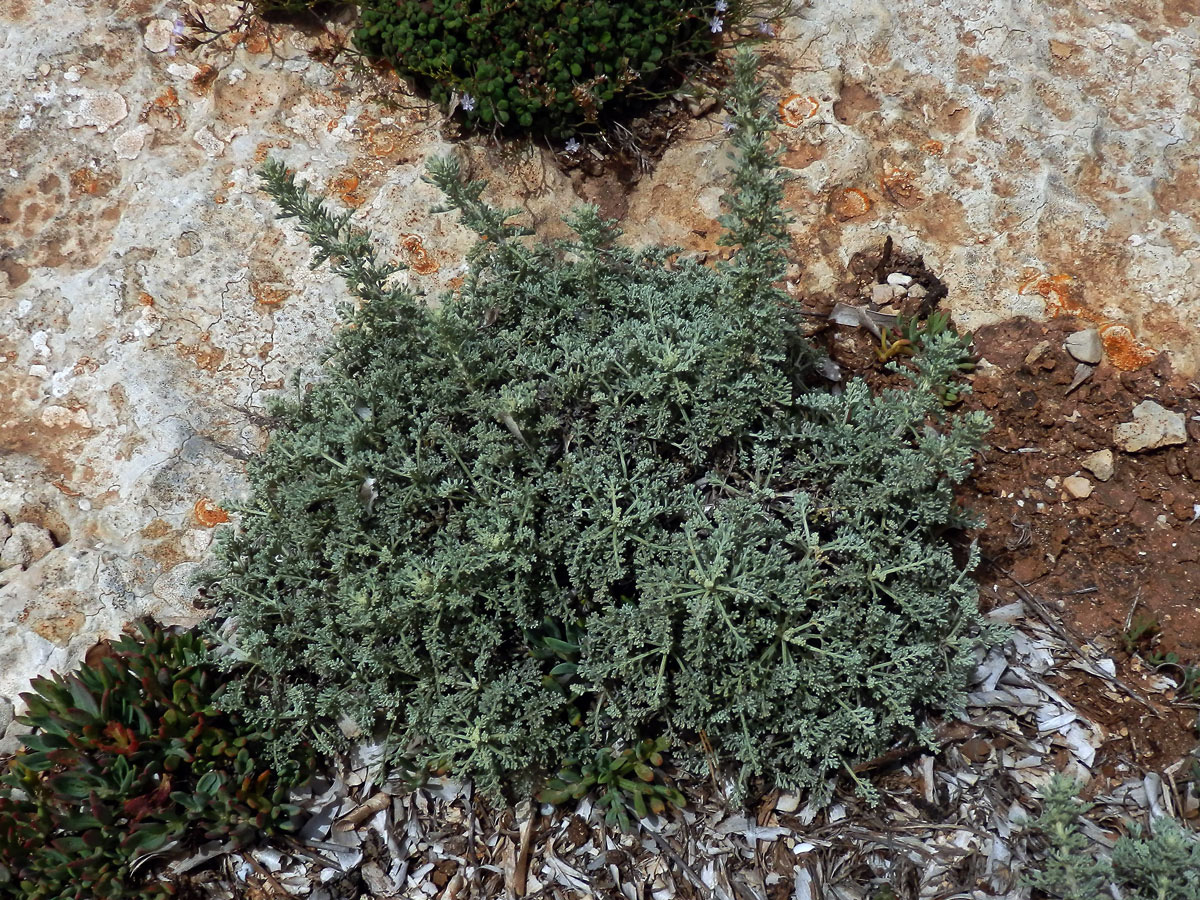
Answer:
(593, 499)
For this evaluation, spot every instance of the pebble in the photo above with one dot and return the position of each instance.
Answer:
(1085, 346)
(1152, 427)
(5, 529)
(917, 292)
(1037, 352)
(899, 279)
(1078, 487)
(6, 714)
(26, 545)
(1099, 464)
(885, 293)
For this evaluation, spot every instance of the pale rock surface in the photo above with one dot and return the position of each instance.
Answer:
(1152, 427)
(97, 109)
(26, 544)
(53, 600)
(1085, 346)
(1099, 464)
(1039, 155)
(157, 37)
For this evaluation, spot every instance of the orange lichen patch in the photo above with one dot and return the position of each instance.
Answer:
(59, 629)
(220, 199)
(899, 187)
(268, 294)
(795, 109)
(419, 259)
(346, 187)
(65, 490)
(933, 148)
(849, 203)
(84, 181)
(208, 513)
(264, 148)
(256, 41)
(381, 141)
(205, 356)
(145, 299)
(156, 529)
(168, 99)
(85, 365)
(1061, 293)
(1123, 350)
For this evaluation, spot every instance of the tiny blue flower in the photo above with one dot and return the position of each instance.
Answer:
(572, 146)
(468, 102)
(765, 28)
(178, 29)
(716, 26)
(722, 5)
(728, 125)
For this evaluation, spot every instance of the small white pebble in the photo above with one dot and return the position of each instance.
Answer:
(899, 279)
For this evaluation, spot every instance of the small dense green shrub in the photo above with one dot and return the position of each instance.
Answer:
(546, 64)
(125, 757)
(591, 499)
(1162, 866)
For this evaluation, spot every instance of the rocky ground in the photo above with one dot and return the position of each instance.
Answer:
(1033, 163)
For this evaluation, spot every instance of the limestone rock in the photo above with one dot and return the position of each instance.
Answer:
(26, 545)
(1152, 427)
(157, 37)
(6, 714)
(5, 529)
(1099, 464)
(1085, 346)
(98, 109)
(1078, 487)
(178, 594)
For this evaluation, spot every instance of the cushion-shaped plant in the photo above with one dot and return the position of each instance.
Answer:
(624, 444)
(126, 756)
(546, 64)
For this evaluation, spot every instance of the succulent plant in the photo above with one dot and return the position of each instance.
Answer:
(625, 780)
(127, 756)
